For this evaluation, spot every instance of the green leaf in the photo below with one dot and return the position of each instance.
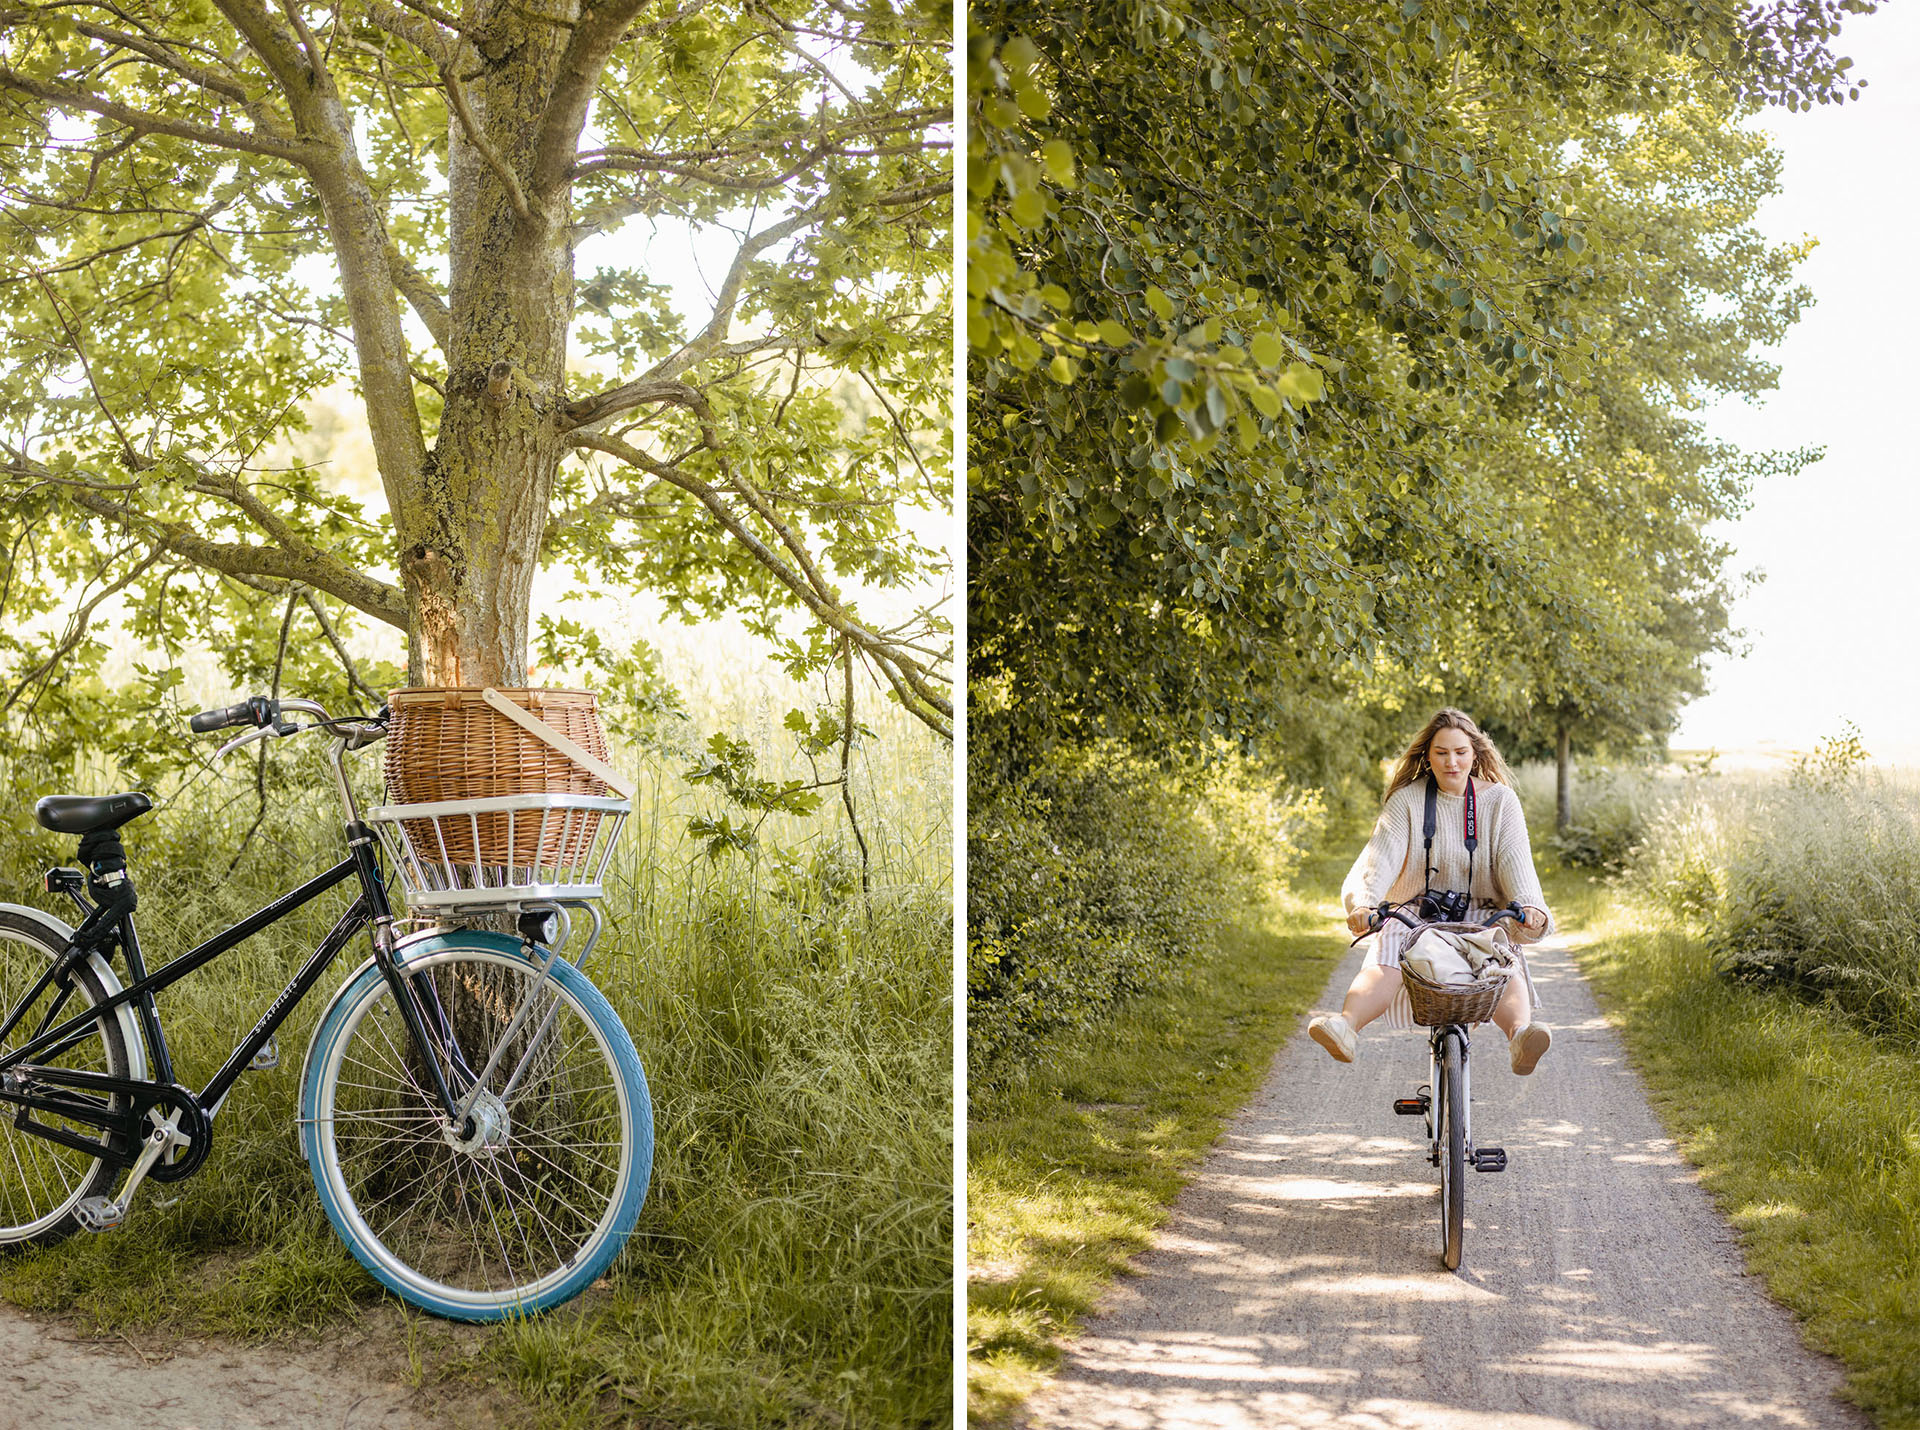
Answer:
(1302, 383)
(1019, 54)
(1057, 156)
(1268, 349)
(1160, 303)
(1033, 101)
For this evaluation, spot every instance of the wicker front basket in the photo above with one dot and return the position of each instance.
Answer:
(445, 743)
(1435, 1004)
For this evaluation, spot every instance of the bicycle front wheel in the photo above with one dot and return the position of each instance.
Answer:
(1453, 1156)
(528, 1202)
(42, 1179)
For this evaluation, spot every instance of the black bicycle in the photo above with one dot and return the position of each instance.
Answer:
(472, 1110)
(1446, 1101)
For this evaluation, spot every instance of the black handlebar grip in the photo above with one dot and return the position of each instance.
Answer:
(252, 711)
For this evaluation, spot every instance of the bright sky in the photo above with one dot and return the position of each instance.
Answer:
(1831, 627)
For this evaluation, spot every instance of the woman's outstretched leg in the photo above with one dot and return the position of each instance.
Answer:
(1368, 996)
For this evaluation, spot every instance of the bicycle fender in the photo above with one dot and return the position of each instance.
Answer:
(407, 951)
(61, 932)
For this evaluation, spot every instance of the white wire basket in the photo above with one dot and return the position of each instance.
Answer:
(501, 853)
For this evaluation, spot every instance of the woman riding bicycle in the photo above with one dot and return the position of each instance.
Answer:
(1478, 847)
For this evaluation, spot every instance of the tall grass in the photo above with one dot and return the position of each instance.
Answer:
(1806, 878)
(1814, 884)
(792, 1265)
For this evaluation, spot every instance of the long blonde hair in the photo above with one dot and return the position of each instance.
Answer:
(1414, 765)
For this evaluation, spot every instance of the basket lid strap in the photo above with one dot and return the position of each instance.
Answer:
(541, 730)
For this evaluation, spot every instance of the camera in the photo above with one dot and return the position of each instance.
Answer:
(1444, 906)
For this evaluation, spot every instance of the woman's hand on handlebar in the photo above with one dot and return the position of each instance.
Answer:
(1361, 920)
(1531, 919)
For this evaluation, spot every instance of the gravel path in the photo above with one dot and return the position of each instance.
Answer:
(53, 1377)
(1298, 1281)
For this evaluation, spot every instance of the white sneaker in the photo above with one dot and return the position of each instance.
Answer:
(1333, 1032)
(1526, 1046)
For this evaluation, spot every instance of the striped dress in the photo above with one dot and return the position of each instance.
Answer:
(1389, 870)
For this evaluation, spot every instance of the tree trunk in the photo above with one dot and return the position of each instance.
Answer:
(1563, 781)
(468, 558)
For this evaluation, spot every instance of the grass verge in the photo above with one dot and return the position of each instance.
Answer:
(1072, 1170)
(1804, 1128)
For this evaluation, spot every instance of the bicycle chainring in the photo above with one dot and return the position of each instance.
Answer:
(194, 1125)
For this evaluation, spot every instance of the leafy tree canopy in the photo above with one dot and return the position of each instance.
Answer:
(214, 208)
(1355, 348)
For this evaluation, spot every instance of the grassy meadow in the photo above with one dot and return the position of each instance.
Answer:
(792, 1265)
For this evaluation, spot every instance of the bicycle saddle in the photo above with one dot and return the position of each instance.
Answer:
(89, 813)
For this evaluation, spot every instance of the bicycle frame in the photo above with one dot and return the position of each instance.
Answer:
(68, 1098)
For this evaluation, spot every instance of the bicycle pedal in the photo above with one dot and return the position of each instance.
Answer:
(1489, 1159)
(1409, 1106)
(267, 1058)
(99, 1214)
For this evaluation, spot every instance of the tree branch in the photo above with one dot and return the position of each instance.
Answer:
(457, 97)
(280, 52)
(76, 628)
(910, 679)
(316, 568)
(587, 52)
(143, 121)
(161, 55)
(340, 649)
(647, 386)
(421, 295)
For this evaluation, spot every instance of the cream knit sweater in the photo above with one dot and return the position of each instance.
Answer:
(1389, 868)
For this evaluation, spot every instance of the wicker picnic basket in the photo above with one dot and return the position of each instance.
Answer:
(1435, 1004)
(446, 743)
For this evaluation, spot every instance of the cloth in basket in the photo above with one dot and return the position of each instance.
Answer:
(1455, 955)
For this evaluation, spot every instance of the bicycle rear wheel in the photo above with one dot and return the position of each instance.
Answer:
(42, 1181)
(528, 1205)
(1453, 1155)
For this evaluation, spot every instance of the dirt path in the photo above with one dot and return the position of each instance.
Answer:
(54, 1377)
(1298, 1281)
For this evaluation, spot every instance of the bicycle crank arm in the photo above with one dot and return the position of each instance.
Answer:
(105, 1213)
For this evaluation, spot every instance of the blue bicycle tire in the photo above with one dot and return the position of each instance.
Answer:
(454, 1183)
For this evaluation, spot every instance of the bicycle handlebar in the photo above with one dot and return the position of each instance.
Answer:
(1388, 911)
(268, 716)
